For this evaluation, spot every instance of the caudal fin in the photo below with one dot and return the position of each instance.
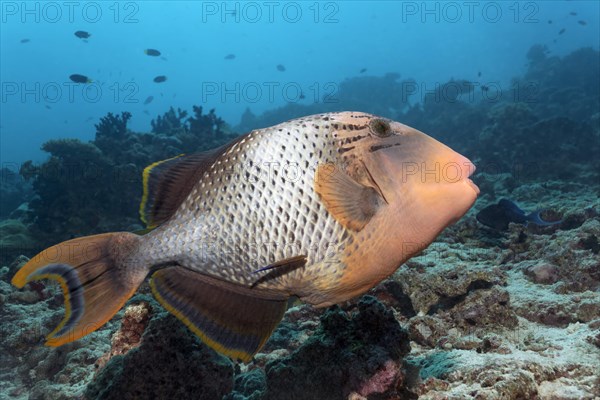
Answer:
(98, 274)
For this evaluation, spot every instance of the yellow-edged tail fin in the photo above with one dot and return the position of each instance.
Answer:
(98, 274)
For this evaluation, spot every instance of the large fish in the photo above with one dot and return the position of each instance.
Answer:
(322, 208)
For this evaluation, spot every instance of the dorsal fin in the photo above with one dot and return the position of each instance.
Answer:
(167, 183)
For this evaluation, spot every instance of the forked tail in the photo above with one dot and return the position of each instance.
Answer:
(98, 274)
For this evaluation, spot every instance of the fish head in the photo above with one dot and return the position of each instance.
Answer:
(425, 184)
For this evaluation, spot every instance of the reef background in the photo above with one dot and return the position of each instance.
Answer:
(480, 314)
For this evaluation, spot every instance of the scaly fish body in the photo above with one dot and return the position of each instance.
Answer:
(322, 207)
(256, 205)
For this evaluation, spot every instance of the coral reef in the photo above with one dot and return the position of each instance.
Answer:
(479, 314)
(14, 191)
(385, 96)
(94, 187)
(359, 353)
(168, 362)
(15, 239)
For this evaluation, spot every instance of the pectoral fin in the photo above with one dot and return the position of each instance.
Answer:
(231, 319)
(352, 204)
(279, 268)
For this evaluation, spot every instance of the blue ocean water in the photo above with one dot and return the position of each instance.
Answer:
(503, 303)
(318, 43)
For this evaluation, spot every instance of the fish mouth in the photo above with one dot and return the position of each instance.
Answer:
(468, 170)
(472, 185)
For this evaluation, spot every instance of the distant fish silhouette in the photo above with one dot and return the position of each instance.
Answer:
(82, 34)
(230, 56)
(582, 22)
(362, 71)
(160, 78)
(152, 52)
(77, 78)
(280, 68)
(573, 13)
(549, 21)
(563, 30)
(25, 40)
(498, 216)
(148, 100)
(479, 74)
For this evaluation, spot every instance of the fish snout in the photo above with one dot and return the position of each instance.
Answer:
(465, 169)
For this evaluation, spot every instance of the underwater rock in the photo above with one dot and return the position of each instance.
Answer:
(28, 369)
(248, 386)
(431, 289)
(15, 239)
(169, 362)
(543, 273)
(354, 353)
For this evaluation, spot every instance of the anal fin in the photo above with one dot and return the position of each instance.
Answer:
(231, 319)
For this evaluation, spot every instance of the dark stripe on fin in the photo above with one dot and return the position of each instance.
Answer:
(231, 319)
(95, 277)
(71, 286)
(167, 183)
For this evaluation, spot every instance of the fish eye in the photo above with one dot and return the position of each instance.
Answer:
(380, 127)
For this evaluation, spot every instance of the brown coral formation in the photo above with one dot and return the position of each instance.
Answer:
(134, 322)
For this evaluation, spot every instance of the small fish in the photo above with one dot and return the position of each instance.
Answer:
(48, 107)
(362, 71)
(582, 22)
(563, 30)
(148, 100)
(230, 56)
(152, 52)
(344, 221)
(549, 21)
(160, 78)
(485, 88)
(479, 74)
(82, 34)
(573, 13)
(302, 96)
(77, 78)
(498, 216)
(280, 68)
(25, 40)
